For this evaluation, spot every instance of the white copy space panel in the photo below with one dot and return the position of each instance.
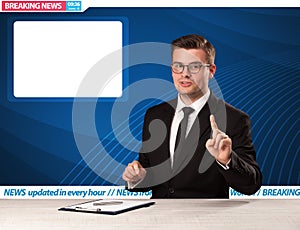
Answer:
(51, 58)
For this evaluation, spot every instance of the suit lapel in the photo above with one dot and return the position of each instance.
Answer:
(167, 117)
(218, 109)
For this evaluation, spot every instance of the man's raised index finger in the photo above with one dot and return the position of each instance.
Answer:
(213, 122)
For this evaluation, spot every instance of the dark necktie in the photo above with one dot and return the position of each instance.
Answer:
(181, 134)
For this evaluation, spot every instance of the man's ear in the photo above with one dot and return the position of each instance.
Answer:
(212, 70)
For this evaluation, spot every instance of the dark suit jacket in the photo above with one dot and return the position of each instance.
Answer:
(199, 175)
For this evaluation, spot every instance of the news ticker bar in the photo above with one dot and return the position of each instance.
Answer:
(119, 192)
(80, 6)
(70, 192)
(269, 192)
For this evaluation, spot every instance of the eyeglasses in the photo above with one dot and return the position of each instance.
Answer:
(194, 67)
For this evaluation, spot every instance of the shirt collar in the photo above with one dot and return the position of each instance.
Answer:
(197, 105)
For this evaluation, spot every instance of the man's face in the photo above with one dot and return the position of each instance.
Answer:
(193, 85)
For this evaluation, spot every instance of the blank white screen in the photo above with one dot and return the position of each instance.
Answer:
(51, 58)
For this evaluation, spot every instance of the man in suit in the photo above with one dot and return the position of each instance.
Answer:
(195, 146)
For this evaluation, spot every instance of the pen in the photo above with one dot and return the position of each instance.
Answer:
(107, 203)
(87, 209)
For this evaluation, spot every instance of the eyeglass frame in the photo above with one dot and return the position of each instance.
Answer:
(183, 66)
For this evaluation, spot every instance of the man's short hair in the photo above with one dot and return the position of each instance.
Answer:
(195, 41)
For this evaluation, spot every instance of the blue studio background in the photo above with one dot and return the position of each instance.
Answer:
(258, 71)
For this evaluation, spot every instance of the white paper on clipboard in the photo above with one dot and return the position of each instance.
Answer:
(111, 207)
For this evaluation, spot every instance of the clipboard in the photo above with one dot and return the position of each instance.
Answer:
(110, 207)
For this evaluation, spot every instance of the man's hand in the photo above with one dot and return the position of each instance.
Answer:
(134, 172)
(220, 145)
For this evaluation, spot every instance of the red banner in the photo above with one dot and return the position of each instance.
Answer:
(33, 6)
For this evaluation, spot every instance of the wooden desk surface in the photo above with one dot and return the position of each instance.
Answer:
(183, 214)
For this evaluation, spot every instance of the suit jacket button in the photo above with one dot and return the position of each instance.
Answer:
(171, 190)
